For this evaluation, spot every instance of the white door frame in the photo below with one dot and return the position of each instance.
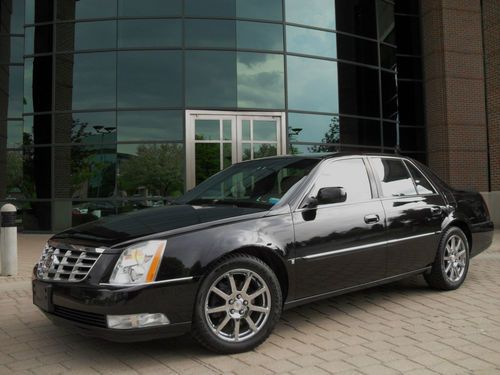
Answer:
(191, 115)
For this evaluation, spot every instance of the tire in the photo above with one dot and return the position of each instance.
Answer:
(452, 261)
(234, 316)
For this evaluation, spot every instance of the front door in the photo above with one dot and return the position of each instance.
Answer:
(215, 140)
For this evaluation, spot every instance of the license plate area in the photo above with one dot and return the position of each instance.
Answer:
(42, 296)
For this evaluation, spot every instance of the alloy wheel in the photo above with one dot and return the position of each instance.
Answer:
(455, 258)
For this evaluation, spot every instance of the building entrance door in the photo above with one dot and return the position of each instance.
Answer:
(215, 140)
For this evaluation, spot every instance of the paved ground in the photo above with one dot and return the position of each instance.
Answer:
(399, 328)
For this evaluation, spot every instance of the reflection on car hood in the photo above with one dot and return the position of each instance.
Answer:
(113, 230)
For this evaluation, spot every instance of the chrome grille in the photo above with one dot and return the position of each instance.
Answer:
(65, 265)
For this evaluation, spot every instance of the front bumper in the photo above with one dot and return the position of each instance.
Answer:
(84, 307)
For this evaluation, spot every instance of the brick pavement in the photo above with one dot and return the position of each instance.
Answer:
(398, 328)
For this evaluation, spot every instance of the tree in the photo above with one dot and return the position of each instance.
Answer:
(332, 136)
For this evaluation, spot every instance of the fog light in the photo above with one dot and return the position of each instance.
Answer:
(136, 321)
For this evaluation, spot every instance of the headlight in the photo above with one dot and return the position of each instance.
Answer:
(138, 264)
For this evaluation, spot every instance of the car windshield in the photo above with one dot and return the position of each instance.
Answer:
(257, 183)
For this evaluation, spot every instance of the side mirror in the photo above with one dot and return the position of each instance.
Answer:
(329, 195)
(310, 202)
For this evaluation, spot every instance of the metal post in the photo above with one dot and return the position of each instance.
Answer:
(8, 240)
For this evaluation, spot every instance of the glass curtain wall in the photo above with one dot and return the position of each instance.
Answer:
(98, 127)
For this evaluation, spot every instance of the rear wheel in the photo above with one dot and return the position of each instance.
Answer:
(452, 261)
(237, 306)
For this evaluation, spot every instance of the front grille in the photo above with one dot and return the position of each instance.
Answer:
(92, 319)
(65, 265)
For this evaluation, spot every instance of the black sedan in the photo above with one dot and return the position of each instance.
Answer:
(225, 259)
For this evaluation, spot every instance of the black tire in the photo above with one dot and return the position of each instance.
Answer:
(442, 275)
(205, 324)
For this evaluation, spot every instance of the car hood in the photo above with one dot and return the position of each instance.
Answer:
(114, 230)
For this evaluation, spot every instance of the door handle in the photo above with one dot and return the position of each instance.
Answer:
(436, 210)
(371, 219)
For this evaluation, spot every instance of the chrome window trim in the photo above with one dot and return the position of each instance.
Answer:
(169, 281)
(361, 247)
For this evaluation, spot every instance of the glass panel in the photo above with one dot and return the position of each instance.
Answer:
(37, 174)
(207, 160)
(14, 134)
(408, 35)
(388, 57)
(17, 16)
(43, 37)
(15, 186)
(150, 126)
(259, 9)
(211, 79)
(36, 216)
(389, 96)
(29, 40)
(264, 130)
(149, 33)
(407, 7)
(80, 9)
(255, 35)
(228, 155)
(385, 22)
(85, 171)
(390, 134)
(410, 103)
(210, 33)
(319, 13)
(227, 129)
(359, 90)
(86, 128)
(86, 35)
(412, 138)
(85, 212)
(213, 8)
(156, 8)
(260, 80)
(393, 177)
(313, 128)
(37, 130)
(150, 79)
(262, 150)
(38, 11)
(154, 172)
(360, 132)
(311, 42)
(207, 130)
(312, 85)
(423, 185)
(409, 67)
(16, 84)
(305, 149)
(357, 17)
(11, 49)
(246, 151)
(245, 130)
(349, 174)
(356, 49)
(77, 76)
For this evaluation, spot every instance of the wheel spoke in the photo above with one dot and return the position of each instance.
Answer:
(446, 258)
(246, 284)
(236, 330)
(257, 293)
(461, 254)
(259, 309)
(218, 309)
(221, 326)
(448, 267)
(220, 293)
(232, 283)
(251, 324)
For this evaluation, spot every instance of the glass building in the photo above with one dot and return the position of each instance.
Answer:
(109, 106)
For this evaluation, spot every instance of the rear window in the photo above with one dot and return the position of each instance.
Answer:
(421, 182)
(394, 177)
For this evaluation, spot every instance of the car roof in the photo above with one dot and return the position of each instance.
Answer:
(330, 155)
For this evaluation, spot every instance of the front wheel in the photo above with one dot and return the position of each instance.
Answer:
(237, 306)
(452, 261)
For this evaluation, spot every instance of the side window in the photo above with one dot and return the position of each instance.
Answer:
(422, 183)
(394, 177)
(350, 174)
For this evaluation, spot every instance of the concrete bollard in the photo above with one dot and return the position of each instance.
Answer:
(8, 240)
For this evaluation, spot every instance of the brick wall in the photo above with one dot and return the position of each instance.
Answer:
(454, 91)
(491, 27)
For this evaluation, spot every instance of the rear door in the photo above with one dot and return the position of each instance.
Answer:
(414, 212)
(340, 245)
